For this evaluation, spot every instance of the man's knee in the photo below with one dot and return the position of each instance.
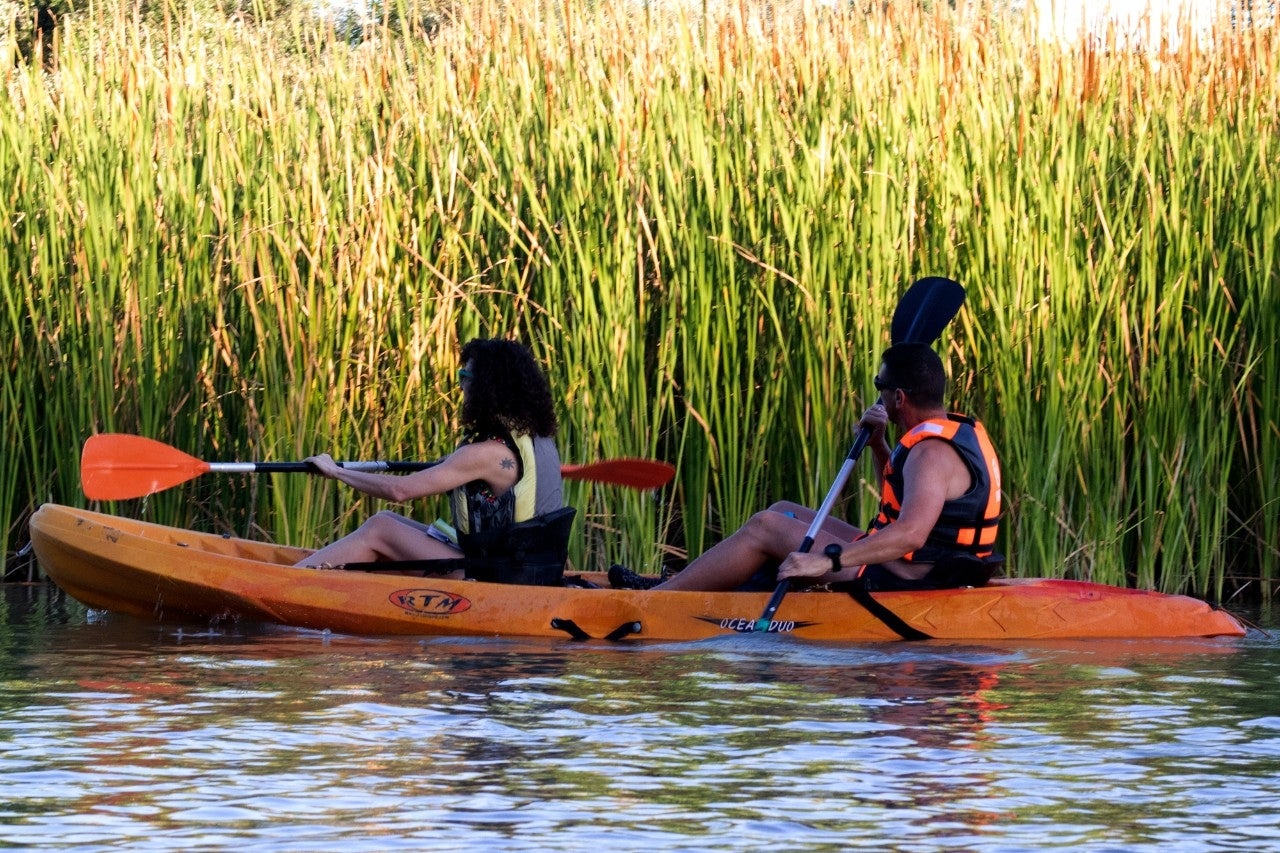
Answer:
(768, 524)
(787, 508)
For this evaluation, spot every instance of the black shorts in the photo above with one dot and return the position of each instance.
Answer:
(949, 573)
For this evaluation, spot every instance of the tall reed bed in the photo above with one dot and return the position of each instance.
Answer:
(701, 218)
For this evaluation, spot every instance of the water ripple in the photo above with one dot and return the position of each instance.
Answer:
(300, 741)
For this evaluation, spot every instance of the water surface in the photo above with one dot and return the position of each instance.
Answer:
(121, 733)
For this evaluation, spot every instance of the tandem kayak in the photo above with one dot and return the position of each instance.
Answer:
(165, 573)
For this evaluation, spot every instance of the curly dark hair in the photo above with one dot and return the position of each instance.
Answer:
(508, 390)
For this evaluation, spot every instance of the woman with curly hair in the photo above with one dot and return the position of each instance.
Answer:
(504, 477)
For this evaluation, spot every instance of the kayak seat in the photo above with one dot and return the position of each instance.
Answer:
(533, 552)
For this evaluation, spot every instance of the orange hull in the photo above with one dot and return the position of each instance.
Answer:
(159, 572)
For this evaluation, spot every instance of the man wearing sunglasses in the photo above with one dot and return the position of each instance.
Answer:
(939, 506)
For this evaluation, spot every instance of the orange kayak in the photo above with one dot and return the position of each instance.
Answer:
(166, 573)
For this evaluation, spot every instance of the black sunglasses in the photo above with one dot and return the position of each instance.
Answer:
(888, 386)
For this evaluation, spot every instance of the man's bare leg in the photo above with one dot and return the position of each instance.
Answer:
(768, 535)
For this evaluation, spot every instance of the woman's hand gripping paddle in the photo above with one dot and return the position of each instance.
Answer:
(922, 313)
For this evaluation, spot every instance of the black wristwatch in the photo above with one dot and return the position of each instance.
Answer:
(833, 551)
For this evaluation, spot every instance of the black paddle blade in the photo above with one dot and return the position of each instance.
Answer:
(925, 310)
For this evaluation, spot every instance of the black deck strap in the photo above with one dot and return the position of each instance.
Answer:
(571, 628)
(626, 629)
(858, 591)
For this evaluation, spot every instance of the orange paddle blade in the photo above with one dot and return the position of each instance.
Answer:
(636, 473)
(115, 466)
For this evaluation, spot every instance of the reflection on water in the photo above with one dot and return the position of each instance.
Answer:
(117, 732)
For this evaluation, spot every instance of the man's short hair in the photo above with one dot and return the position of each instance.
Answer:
(917, 370)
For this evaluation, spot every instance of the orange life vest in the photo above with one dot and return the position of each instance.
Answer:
(967, 524)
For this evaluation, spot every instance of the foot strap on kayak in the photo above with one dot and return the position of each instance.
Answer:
(858, 591)
(571, 628)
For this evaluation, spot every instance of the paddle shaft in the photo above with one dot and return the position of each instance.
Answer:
(302, 467)
(637, 473)
(837, 487)
(824, 511)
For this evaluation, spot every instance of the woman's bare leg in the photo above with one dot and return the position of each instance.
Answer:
(383, 536)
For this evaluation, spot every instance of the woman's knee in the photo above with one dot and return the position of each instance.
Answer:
(380, 525)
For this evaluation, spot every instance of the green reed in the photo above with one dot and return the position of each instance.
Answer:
(255, 247)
